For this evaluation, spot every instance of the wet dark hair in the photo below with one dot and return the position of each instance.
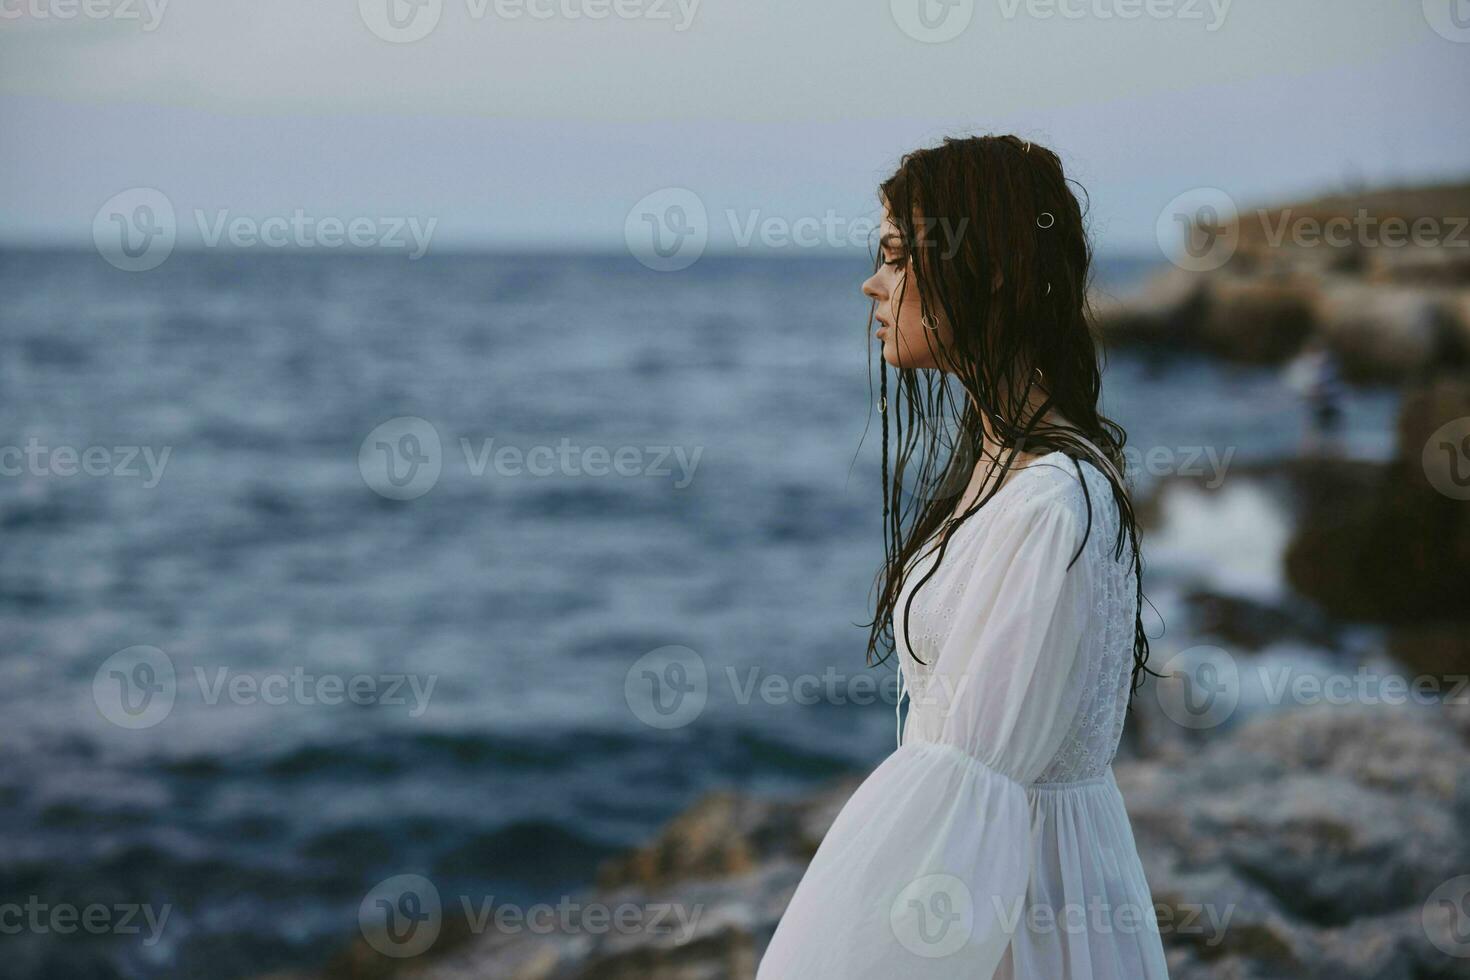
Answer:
(970, 212)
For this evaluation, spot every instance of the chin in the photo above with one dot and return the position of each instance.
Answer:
(905, 360)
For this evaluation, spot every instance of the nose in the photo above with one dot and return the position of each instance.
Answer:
(872, 290)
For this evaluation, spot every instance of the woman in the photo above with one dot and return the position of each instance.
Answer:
(993, 842)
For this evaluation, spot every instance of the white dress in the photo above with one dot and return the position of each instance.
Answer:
(994, 843)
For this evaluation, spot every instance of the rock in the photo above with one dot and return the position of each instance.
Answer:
(1436, 650)
(1246, 319)
(712, 839)
(1320, 830)
(1250, 624)
(1391, 306)
(1387, 332)
(1394, 549)
(1458, 306)
(1419, 266)
(1164, 314)
(1256, 320)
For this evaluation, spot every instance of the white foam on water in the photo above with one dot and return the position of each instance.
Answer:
(1230, 541)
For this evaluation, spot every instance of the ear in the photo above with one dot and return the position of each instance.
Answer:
(996, 280)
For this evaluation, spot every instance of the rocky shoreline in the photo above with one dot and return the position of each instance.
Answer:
(1305, 844)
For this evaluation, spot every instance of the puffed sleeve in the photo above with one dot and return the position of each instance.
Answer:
(924, 872)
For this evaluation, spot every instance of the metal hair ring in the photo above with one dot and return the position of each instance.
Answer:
(1050, 219)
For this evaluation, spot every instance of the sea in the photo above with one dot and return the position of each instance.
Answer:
(317, 570)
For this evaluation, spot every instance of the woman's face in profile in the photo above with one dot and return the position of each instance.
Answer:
(907, 343)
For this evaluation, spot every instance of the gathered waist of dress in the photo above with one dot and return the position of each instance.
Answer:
(1102, 780)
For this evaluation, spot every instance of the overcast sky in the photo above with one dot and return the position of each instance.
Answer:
(511, 128)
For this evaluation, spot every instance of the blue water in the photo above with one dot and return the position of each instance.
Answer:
(261, 549)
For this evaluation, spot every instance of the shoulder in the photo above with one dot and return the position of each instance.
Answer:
(1072, 495)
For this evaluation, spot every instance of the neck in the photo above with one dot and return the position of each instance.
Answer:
(1036, 397)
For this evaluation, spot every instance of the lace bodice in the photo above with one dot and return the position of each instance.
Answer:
(1096, 693)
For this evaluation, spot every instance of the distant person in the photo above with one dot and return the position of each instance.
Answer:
(985, 844)
(1314, 375)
